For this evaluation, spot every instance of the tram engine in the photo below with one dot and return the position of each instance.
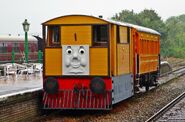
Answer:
(93, 63)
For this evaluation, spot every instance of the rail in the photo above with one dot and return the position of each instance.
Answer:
(166, 108)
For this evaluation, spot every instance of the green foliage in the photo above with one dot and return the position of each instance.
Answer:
(175, 27)
(126, 16)
(172, 30)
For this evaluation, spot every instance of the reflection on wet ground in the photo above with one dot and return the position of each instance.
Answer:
(15, 83)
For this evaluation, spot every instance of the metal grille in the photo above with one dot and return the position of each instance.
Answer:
(82, 99)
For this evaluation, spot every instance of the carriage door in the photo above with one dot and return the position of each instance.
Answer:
(123, 82)
(123, 52)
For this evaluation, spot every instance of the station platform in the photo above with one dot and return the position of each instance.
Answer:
(11, 85)
(20, 97)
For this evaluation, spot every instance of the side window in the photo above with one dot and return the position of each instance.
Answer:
(30, 47)
(16, 47)
(123, 36)
(1, 47)
(4, 48)
(54, 35)
(100, 35)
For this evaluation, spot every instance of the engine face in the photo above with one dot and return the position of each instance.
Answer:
(75, 60)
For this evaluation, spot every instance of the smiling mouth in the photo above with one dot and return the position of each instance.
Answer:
(75, 65)
(76, 71)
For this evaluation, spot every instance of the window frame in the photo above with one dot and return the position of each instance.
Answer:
(118, 35)
(15, 47)
(100, 43)
(50, 32)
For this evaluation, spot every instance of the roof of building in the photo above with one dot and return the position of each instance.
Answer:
(16, 38)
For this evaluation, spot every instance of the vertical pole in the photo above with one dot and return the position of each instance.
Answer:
(13, 56)
(26, 47)
(39, 56)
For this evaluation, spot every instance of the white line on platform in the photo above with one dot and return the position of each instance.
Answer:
(3, 97)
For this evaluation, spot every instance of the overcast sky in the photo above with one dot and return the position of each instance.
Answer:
(13, 12)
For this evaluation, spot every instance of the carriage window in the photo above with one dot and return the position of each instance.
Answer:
(3, 48)
(16, 47)
(54, 35)
(123, 35)
(100, 35)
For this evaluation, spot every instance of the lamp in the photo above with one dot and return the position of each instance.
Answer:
(26, 29)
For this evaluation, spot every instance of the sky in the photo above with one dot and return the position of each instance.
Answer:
(13, 12)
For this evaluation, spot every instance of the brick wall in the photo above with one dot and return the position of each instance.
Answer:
(23, 107)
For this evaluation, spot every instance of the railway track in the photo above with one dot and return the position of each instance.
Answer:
(60, 116)
(165, 109)
(176, 71)
(165, 77)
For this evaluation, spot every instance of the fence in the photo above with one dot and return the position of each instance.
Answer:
(12, 57)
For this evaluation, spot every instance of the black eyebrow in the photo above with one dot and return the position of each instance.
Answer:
(68, 46)
(81, 46)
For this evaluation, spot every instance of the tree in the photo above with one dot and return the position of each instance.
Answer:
(172, 30)
(150, 19)
(126, 16)
(147, 18)
(175, 27)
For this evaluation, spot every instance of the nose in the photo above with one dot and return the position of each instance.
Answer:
(75, 58)
(75, 55)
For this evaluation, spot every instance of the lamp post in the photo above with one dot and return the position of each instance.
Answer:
(26, 29)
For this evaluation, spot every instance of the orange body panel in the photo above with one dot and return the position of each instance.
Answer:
(123, 59)
(123, 34)
(148, 51)
(113, 52)
(76, 35)
(53, 61)
(99, 61)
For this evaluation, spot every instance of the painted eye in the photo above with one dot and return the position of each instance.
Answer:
(82, 51)
(69, 51)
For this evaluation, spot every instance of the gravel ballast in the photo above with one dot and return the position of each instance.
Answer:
(136, 109)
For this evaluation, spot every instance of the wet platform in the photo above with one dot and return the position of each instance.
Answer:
(13, 85)
(20, 91)
(20, 97)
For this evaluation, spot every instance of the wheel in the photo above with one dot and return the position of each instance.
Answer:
(142, 81)
(147, 87)
(51, 85)
(147, 83)
(97, 85)
(153, 80)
